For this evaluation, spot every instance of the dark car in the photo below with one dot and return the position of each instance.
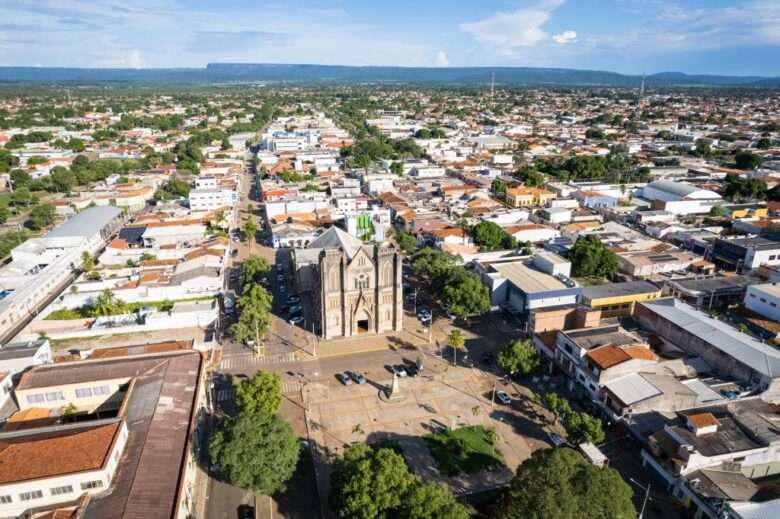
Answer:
(488, 359)
(411, 370)
(400, 370)
(246, 512)
(344, 379)
(357, 377)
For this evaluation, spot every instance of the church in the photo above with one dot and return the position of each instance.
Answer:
(355, 287)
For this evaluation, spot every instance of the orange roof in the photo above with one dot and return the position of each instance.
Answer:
(156, 347)
(118, 243)
(703, 420)
(607, 356)
(639, 351)
(450, 231)
(54, 454)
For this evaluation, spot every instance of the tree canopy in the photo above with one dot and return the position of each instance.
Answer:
(260, 393)
(561, 484)
(254, 319)
(518, 356)
(739, 188)
(745, 159)
(255, 451)
(369, 483)
(591, 258)
(255, 270)
(488, 235)
(464, 294)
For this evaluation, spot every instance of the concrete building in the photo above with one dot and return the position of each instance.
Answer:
(519, 286)
(354, 288)
(764, 300)
(618, 299)
(42, 267)
(745, 253)
(136, 426)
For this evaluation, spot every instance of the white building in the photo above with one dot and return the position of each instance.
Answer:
(764, 299)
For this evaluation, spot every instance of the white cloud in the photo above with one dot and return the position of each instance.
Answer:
(505, 32)
(135, 59)
(565, 37)
(441, 59)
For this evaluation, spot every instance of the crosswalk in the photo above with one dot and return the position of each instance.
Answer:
(289, 387)
(248, 360)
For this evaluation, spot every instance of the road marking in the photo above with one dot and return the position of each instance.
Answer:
(224, 395)
(248, 360)
(291, 387)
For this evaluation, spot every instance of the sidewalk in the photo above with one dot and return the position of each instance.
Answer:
(362, 344)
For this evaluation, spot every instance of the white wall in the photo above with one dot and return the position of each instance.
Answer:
(105, 475)
(762, 301)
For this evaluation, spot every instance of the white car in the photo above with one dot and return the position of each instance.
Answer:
(503, 397)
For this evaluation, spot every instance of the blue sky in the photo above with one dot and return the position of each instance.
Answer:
(738, 37)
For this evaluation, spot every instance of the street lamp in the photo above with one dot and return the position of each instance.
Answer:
(647, 496)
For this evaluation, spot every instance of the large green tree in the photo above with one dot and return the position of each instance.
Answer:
(369, 483)
(488, 235)
(745, 159)
(41, 216)
(255, 451)
(591, 258)
(254, 320)
(464, 294)
(260, 394)
(432, 265)
(255, 270)
(518, 356)
(561, 484)
(584, 428)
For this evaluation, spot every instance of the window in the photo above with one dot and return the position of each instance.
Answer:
(763, 300)
(4, 500)
(54, 396)
(35, 399)
(58, 491)
(28, 496)
(91, 484)
(774, 305)
(753, 296)
(100, 390)
(83, 392)
(772, 258)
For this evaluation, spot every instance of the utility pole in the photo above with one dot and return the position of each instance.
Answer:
(492, 87)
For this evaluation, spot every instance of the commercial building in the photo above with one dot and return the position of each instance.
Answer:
(131, 450)
(520, 286)
(745, 253)
(764, 300)
(42, 267)
(618, 299)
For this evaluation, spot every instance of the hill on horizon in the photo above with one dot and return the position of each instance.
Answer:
(347, 74)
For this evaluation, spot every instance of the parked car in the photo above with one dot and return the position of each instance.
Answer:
(298, 319)
(246, 512)
(344, 379)
(503, 397)
(282, 289)
(488, 358)
(293, 299)
(412, 370)
(555, 439)
(295, 309)
(357, 376)
(400, 370)
(424, 314)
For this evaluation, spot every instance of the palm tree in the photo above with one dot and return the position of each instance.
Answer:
(457, 342)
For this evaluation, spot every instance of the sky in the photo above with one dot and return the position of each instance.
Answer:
(737, 37)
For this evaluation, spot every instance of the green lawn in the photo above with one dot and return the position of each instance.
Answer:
(468, 449)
